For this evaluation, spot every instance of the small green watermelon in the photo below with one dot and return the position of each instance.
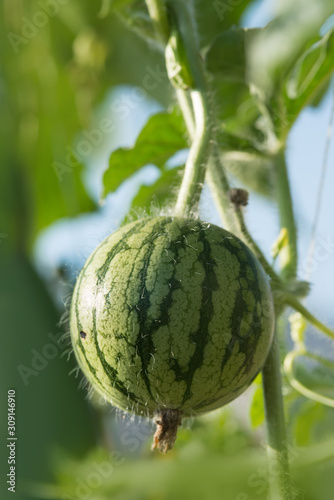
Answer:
(171, 317)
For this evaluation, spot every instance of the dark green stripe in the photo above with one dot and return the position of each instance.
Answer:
(166, 304)
(120, 245)
(144, 343)
(247, 342)
(78, 287)
(109, 370)
(201, 336)
(102, 271)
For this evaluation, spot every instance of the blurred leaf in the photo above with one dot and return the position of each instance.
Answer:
(227, 56)
(311, 375)
(257, 415)
(162, 136)
(51, 411)
(217, 16)
(198, 469)
(254, 170)
(310, 75)
(257, 408)
(117, 4)
(42, 120)
(261, 59)
(135, 15)
(163, 191)
(226, 60)
(276, 48)
(309, 417)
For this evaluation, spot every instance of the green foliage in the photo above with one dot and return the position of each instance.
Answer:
(162, 137)
(161, 193)
(227, 56)
(257, 404)
(306, 422)
(217, 16)
(310, 75)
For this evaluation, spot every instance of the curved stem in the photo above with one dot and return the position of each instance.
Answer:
(194, 174)
(280, 484)
(219, 186)
(293, 302)
(298, 385)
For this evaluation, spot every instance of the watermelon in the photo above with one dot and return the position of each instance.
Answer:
(173, 315)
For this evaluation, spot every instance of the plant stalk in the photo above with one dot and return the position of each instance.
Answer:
(194, 174)
(289, 256)
(279, 473)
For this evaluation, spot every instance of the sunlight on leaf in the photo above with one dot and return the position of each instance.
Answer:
(162, 136)
(310, 75)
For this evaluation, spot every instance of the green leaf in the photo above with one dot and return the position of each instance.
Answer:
(262, 60)
(241, 106)
(163, 191)
(32, 362)
(162, 136)
(308, 419)
(226, 58)
(118, 4)
(254, 170)
(276, 48)
(135, 15)
(257, 405)
(40, 119)
(310, 75)
(216, 16)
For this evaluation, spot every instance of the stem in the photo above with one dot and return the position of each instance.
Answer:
(276, 433)
(219, 186)
(287, 220)
(194, 174)
(193, 179)
(293, 302)
(187, 111)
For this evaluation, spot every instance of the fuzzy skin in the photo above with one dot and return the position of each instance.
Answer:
(171, 313)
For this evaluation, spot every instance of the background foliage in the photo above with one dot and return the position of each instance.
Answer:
(59, 62)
